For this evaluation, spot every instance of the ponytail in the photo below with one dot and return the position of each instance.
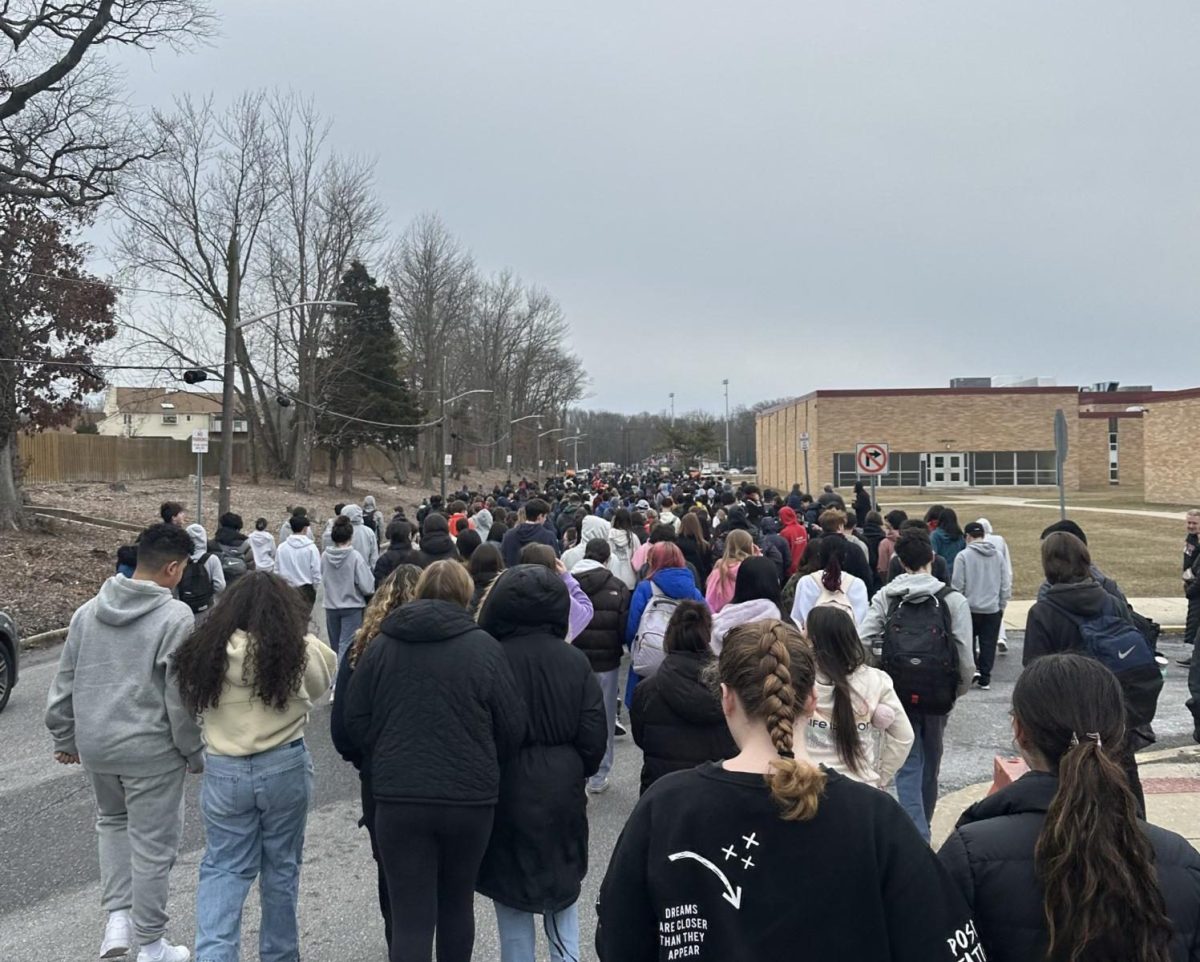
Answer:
(1093, 860)
(831, 577)
(771, 669)
(839, 654)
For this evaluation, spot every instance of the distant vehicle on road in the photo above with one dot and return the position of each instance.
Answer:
(10, 657)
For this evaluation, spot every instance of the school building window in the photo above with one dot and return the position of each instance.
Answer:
(904, 471)
(1114, 475)
(1001, 468)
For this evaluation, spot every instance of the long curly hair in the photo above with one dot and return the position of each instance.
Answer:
(399, 588)
(271, 613)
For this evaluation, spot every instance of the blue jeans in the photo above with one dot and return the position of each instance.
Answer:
(609, 684)
(917, 779)
(342, 623)
(255, 809)
(518, 942)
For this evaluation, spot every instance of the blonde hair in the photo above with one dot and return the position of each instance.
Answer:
(398, 589)
(772, 670)
(445, 581)
(738, 547)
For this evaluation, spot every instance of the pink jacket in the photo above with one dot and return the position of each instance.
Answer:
(719, 591)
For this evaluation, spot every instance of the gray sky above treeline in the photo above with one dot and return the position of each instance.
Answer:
(792, 195)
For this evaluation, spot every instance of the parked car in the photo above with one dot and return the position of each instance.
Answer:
(10, 657)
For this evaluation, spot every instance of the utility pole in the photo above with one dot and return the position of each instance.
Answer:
(728, 462)
(672, 409)
(444, 452)
(233, 271)
(538, 431)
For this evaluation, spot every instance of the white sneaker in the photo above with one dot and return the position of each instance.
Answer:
(163, 951)
(597, 788)
(118, 935)
(1002, 647)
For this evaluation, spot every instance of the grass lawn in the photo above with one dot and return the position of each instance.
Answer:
(1130, 499)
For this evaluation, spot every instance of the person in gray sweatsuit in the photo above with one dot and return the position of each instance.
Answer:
(346, 584)
(365, 540)
(982, 577)
(216, 574)
(115, 707)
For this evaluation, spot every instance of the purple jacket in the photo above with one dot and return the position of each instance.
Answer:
(581, 607)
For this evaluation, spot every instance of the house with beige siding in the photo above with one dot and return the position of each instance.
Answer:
(152, 412)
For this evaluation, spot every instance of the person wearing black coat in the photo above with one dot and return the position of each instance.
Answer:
(603, 639)
(1068, 715)
(400, 551)
(676, 715)
(433, 710)
(436, 543)
(537, 857)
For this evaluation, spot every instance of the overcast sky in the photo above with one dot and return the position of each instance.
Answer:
(792, 195)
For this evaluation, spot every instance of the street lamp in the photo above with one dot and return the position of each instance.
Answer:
(446, 424)
(576, 438)
(672, 396)
(512, 438)
(231, 329)
(539, 443)
(728, 463)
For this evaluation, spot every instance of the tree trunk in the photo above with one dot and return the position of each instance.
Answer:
(303, 463)
(348, 469)
(333, 460)
(12, 507)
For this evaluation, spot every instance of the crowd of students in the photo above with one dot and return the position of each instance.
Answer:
(789, 660)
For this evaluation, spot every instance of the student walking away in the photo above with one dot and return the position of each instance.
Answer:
(537, 857)
(366, 540)
(398, 589)
(933, 516)
(873, 535)
(298, 562)
(114, 708)
(851, 535)
(887, 547)
(1191, 582)
(676, 715)
(695, 547)
(710, 862)
(981, 576)
(1058, 865)
(829, 584)
(436, 543)
(775, 547)
(755, 598)
(127, 560)
(262, 546)
(1002, 549)
(466, 544)
(1076, 614)
(172, 512)
(233, 548)
(485, 566)
(251, 673)
(483, 520)
(668, 581)
(285, 530)
(591, 529)
(947, 539)
(859, 728)
(399, 551)
(722, 582)
(348, 583)
(829, 498)
(852, 557)
(581, 605)
(326, 534)
(919, 629)
(796, 535)
(939, 569)
(432, 710)
(372, 518)
(203, 578)
(531, 531)
(603, 640)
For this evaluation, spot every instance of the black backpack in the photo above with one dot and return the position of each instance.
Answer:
(1121, 647)
(196, 586)
(919, 653)
(233, 562)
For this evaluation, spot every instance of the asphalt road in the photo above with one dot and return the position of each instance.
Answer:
(49, 889)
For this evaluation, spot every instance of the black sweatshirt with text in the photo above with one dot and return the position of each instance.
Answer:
(707, 869)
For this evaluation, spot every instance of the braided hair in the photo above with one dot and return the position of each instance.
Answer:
(773, 673)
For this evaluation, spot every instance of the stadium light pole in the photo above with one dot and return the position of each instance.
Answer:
(728, 463)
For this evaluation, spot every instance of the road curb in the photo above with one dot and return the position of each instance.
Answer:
(44, 640)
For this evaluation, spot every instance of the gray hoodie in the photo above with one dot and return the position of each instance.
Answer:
(345, 578)
(213, 564)
(982, 577)
(113, 701)
(914, 586)
(483, 522)
(365, 541)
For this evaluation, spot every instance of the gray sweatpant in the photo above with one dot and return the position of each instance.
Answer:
(139, 823)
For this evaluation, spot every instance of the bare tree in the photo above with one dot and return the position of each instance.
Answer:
(65, 132)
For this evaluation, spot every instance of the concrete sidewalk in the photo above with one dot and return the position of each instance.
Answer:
(1171, 613)
(1170, 778)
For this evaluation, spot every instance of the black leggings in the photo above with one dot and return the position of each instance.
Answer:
(368, 822)
(431, 856)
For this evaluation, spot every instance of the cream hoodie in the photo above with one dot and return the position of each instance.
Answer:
(242, 725)
(883, 727)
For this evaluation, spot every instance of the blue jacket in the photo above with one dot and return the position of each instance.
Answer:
(947, 547)
(673, 582)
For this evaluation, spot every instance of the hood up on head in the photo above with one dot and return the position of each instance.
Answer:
(354, 513)
(199, 540)
(524, 600)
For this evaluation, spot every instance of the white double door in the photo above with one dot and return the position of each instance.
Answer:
(947, 470)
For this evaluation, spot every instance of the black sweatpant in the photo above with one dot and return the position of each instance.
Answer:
(368, 822)
(986, 628)
(1192, 625)
(431, 855)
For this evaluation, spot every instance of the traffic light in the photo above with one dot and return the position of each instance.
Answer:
(195, 376)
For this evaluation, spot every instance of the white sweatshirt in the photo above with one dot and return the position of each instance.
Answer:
(883, 727)
(298, 561)
(262, 543)
(808, 593)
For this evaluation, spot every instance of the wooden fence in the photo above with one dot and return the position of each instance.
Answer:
(58, 456)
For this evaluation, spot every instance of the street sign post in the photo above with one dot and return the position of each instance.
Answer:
(1060, 458)
(804, 446)
(872, 459)
(200, 448)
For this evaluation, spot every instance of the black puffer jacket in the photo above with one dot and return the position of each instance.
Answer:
(432, 708)
(602, 639)
(537, 856)
(435, 546)
(990, 857)
(677, 719)
(395, 556)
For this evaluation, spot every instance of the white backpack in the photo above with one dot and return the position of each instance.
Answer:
(648, 649)
(837, 599)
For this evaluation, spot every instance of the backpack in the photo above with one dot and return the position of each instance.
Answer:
(1121, 647)
(233, 562)
(837, 599)
(647, 648)
(196, 586)
(919, 653)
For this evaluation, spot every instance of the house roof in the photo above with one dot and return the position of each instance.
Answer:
(157, 400)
